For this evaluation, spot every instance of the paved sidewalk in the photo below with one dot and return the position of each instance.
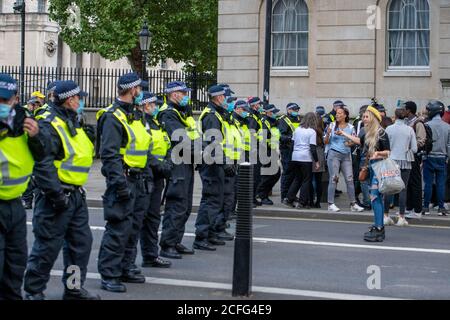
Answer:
(96, 187)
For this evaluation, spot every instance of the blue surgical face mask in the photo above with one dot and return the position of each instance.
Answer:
(185, 101)
(5, 109)
(273, 116)
(230, 107)
(261, 109)
(244, 114)
(138, 99)
(81, 105)
(155, 111)
(294, 114)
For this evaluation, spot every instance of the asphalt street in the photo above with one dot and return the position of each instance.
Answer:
(293, 258)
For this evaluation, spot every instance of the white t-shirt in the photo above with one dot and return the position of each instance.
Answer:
(302, 139)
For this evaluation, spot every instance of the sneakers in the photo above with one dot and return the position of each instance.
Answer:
(413, 215)
(388, 221)
(442, 212)
(288, 203)
(426, 211)
(375, 234)
(333, 208)
(355, 208)
(401, 222)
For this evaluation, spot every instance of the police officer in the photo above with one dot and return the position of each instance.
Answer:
(61, 218)
(255, 125)
(176, 118)
(271, 138)
(124, 151)
(20, 144)
(287, 125)
(213, 170)
(241, 115)
(159, 148)
(44, 110)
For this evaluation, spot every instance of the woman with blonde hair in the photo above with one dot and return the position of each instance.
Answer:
(376, 144)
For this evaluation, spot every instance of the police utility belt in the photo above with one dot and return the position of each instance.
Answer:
(69, 189)
(134, 172)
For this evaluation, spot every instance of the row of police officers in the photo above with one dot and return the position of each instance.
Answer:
(149, 150)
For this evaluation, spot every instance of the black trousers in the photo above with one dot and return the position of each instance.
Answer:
(287, 175)
(13, 248)
(212, 201)
(303, 172)
(256, 177)
(123, 224)
(28, 195)
(267, 183)
(414, 188)
(68, 230)
(318, 189)
(152, 220)
(220, 223)
(178, 206)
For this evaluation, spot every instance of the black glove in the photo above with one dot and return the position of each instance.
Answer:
(123, 194)
(90, 131)
(165, 168)
(59, 202)
(230, 170)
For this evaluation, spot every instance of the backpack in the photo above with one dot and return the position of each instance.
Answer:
(428, 146)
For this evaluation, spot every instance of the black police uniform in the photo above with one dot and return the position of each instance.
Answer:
(213, 180)
(60, 217)
(268, 181)
(254, 126)
(152, 218)
(180, 188)
(286, 148)
(125, 201)
(13, 228)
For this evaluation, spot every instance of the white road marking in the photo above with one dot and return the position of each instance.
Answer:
(226, 286)
(100, 211)
(324, 244)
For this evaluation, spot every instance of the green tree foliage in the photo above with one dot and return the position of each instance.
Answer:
(184, 30)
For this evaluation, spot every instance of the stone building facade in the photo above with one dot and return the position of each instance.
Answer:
(324, 50)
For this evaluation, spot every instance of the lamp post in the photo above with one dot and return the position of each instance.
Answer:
(267, 50)
(145, 38)
(19, 7)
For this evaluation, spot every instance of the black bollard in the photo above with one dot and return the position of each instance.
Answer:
(242, 268)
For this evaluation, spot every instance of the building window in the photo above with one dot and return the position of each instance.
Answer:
(42, 6)
(290, 34)
(409, 33)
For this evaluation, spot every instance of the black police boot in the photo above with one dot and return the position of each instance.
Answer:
(156, 263)
(130, 277)
(267, 202)
(257, 203)
(203, 245)
(182, 249)
(224, 235)
(36, 296)
(134, 269)
(81, 294)
(317, 205)
(170, 253)
(113, 285)
(216, 242)
(375, 234)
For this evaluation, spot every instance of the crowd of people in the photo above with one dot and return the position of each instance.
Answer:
(150, 148)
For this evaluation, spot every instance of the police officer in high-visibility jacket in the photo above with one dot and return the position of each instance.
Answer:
(61, 218)
(217, 164)
(241, 114)
(124, 151)
(255, 125)
(270, 172)
(287, 125)
(159, 147)
(176, 118)
(21, 142)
